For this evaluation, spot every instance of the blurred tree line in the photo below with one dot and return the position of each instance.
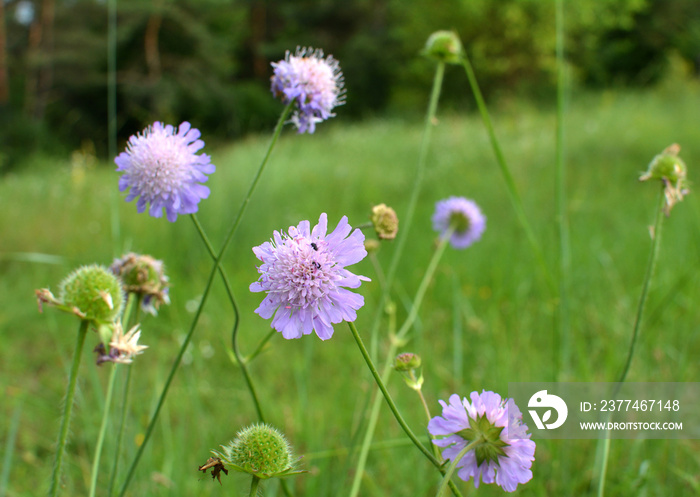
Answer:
(208, 61)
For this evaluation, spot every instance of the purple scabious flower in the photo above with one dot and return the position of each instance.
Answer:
(315, 84)
(466, 217)
(503, 451)
(303, 273)
(162, 168)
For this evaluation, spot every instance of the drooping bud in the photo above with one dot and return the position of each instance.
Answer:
(672, 171)
(144, 276)
(385, 222)
(444, 46)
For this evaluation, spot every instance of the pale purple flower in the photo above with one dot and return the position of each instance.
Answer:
(466, 217)
(303, 273)
(315, 85)
(503, 452)
(162, 168)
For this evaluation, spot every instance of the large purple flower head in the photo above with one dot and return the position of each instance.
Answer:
(502, 452)
(162, 168)
(315, 84)
(303, 273)
(466, 217)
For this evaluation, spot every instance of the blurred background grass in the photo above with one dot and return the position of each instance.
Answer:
(57, 214)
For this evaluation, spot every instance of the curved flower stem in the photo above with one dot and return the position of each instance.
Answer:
(103, 430)
(240, 360)
(205, 294)
(507, 176)
(407, 219)
(395, 343)
(68, 408)
(453, 465)
(651, 266)
(392, 405)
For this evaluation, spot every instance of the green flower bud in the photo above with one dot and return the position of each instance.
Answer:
(672, 171)
(407, 361)
(408, 364)
(145, 276)
(259, 450)
(444, 46)
(385, 222)
(372, 245)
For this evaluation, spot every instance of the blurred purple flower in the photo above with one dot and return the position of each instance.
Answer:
(303, 273)
(161, 167)
(502, 452)
(466, 217)
(314, 83)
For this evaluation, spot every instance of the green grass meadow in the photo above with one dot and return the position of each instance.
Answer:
(59, 213)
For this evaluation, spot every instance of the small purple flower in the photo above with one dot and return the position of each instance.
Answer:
(503, 451)
(303, 273)
(314, 83)
(161, 167)
(466, 217)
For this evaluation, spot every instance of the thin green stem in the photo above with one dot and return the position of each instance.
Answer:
(425, 282)
(392, 405)
(396, 341)
(68, 408)
(240, 360)
(453, 465)
(407, 219)
(507, 176)
(387, 396)
(651, 266)
(419, 391)
(112, 114)
(120, 434)
(261, 346)
(562, 216)
(131, 317)
(103, 430)
(205, 295)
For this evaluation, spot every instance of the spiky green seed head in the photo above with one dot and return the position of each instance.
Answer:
(93, 293)
(259, 450)
(444, 46)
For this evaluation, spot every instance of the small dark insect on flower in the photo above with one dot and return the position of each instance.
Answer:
(216, 466)
(318, 266)
(314, 246)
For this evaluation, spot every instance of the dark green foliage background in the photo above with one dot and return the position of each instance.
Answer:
(208, 61)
